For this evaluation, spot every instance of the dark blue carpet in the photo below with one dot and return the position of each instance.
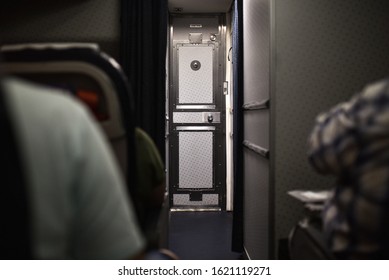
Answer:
(201, 235)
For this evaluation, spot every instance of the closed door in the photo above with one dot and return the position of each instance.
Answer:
(197, 143)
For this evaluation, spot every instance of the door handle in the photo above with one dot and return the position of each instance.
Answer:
(210, 118)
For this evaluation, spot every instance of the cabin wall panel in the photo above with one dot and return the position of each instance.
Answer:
(256, 82)
(256, 207)
(68, 21)
(256, 127)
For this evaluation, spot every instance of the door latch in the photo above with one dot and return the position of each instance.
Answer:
(211, 117)
(225, 88)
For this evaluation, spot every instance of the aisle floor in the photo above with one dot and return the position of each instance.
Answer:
(201, 235)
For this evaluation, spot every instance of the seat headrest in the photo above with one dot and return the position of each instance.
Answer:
(75, 52)
(46, 46)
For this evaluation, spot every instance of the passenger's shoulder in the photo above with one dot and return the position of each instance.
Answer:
(372, 90)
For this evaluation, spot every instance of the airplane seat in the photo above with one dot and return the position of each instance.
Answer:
(307, 243)
(91, 76)
(16, 242)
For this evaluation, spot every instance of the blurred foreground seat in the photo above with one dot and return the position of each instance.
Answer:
(91, 76)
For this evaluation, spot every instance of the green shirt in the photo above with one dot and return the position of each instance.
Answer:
(150, 168)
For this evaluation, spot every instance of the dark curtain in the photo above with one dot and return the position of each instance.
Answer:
(237, 58)
(143, 57)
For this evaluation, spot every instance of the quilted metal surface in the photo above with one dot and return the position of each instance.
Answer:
(195, 86)
(184, 200)
(195, 160)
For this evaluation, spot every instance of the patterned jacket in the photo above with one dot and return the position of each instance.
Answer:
(351, 141)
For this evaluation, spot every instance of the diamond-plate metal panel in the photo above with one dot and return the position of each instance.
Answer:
(187, 117)
(184, 200)
(195, 160)
(195, 86)
(198, 117)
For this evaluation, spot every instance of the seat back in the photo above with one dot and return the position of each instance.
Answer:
(91, 76)
(307, 243)
(15, 241)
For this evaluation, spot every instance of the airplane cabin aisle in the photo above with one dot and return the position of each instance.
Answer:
(201, 235)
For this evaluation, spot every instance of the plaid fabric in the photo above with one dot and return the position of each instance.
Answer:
(351, 141)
